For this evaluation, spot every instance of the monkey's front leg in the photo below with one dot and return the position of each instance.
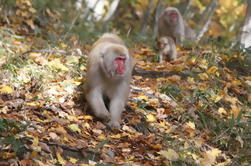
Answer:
(116, 109)
(95, 99)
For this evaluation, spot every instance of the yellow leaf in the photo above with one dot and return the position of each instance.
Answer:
(7, 155)
(102, 137)
(86, 125)
(150, 118)
(178, 48)
(209, 157)
(203, 63)
(190, 80)
(5, 89)
(216, 98)
(212, 70)
(236, 82)
(117, 136)
(221, 110)
(33, 104)
(58, 65)
(74, 127)
(4, 110)
(203, 76)
(87, 117)
(32, 10)
(248, 78)
(191, 61)
(60, 158)
(143, 97)
(178, 68)
(73, 160)
(170, 154)
(190, 125)
(35, 141)
(63, 45)
(72, 118)
(83, 68)
(230, 99)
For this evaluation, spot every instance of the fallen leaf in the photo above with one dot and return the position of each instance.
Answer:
(212, 70)
(73, 160)
(5, 89)
(221, 110)
(58, 65)
(150, 118)
(209, 157)
(203, 76)
(60, 158)
(74, 127)
(170, 154)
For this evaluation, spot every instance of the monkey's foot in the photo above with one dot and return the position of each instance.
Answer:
(103, 116)
(114, 125)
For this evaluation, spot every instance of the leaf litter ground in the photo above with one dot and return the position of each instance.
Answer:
(168, 120)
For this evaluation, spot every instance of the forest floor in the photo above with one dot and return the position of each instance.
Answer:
(193, 111)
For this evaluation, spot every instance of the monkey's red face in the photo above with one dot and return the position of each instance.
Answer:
(173, 16)
(120, 64)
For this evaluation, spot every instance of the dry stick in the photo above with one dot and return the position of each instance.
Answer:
(208, 14)
(45, 51)
(156, 74)
(74, 149)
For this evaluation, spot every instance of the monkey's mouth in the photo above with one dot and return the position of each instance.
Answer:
(120, 65)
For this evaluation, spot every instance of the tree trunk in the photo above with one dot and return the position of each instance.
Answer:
(113, 7)
(147, 15)
(206, 18)
(245, 39)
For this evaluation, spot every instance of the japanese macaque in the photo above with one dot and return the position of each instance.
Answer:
(190, 35)
(167, 49)
(172, 24)
(108, 77)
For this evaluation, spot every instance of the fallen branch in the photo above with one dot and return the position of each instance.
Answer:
(156, 74)
(45, 51)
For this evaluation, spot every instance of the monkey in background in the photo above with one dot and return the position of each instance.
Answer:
(167, 49)
(172, 24)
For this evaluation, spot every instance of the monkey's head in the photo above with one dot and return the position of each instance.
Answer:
(115, 60)
(172, 15)
(165, 43)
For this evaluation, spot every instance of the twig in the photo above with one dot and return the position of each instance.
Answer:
(156, 74)
(45, 51)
